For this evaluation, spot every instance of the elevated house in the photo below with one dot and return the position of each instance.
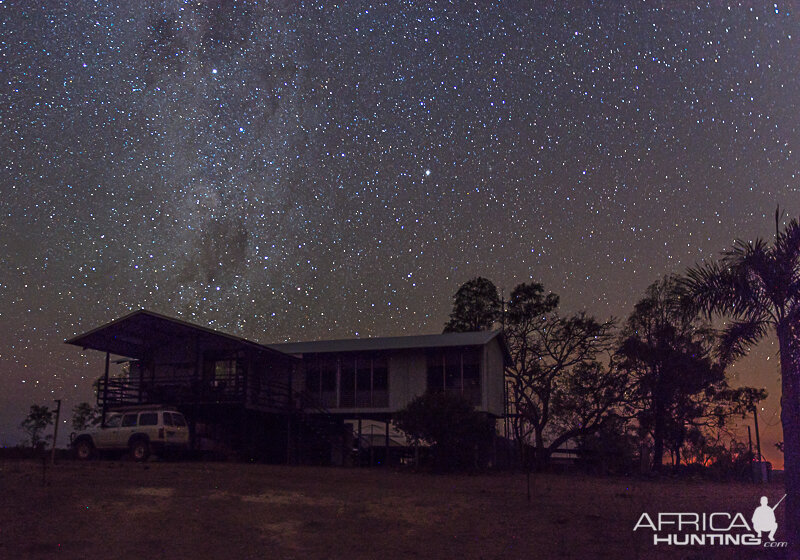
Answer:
(289, 402)
(234, 392)
(372, 378)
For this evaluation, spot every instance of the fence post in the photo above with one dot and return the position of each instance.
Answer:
(55, 431)
(105, 392)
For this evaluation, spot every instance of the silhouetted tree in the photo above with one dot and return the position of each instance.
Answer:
(739, 401)
(709, 434)
(558, 386)
(84, 415)
(668, 351)
(455, 430)
(35, 423)
(476, 307)
(757, 285)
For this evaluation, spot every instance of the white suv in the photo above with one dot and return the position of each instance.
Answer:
(140, 431)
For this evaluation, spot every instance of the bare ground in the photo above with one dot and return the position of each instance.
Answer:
(123, 510)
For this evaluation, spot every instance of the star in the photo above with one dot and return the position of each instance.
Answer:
(206, 161)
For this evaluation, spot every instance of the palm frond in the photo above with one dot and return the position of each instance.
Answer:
(787, 251)
(774, 270)
(738, 336)
(787, 243)
(718, 287)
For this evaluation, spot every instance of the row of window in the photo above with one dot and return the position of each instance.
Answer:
(358, 381)
(348, 381)
(362, 381)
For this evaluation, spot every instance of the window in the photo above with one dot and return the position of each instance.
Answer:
(452, 371)
(347, 392)
(328, 371)
(313, 378)
(168, 419)
(348, 380)
(456, 370)
(321, 374)
(113, 421)
(129, 420)
(380, 382)
(471, 375)
(363, 382)
(148, 419)
(224, 373)
(435, 372)
(178, 420)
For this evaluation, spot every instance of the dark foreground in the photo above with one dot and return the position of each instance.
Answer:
(123, 510)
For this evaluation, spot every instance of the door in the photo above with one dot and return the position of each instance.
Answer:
(175, 429)
(106, 437)
(126, 429)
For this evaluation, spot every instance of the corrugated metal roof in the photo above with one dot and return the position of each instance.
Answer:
(479, 338)
(133, 335)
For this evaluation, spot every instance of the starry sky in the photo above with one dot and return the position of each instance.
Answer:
(301, 170)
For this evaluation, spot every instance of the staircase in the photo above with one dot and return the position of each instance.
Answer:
(309, 416)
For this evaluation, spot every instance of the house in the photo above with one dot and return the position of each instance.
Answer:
(233, 391)
(289, 402)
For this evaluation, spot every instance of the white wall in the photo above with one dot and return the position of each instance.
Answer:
(493, 378)
(408, 378)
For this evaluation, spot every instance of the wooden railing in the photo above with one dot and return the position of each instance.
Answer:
(176, 389)
(272, 397)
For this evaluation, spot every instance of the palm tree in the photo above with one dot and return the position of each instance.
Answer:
(757, 286)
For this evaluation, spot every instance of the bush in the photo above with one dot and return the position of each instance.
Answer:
(459, 435)
(35, 423)
(611, 450)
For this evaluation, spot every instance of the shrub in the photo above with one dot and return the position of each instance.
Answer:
(459, 435)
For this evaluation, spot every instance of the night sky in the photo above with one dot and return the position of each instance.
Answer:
(290, 172)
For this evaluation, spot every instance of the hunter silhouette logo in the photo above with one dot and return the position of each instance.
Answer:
(764, 518)
(720, 528)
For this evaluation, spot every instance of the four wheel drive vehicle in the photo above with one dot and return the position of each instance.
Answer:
(140, 431)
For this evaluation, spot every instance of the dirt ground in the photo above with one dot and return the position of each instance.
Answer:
(123, 510)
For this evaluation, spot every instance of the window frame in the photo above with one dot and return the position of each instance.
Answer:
(352, 365)
(434, 355)
(148, 414)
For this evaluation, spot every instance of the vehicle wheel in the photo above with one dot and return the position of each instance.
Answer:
(84, 450)
(140, 450)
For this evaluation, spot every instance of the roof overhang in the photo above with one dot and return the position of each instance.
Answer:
(377, 344)
(138, 334)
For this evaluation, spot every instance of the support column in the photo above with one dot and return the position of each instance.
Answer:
(289, 455)
(386, 457)
(359, 440)
(140, 398)
(55, 431)
(105, 392)
(758, 435)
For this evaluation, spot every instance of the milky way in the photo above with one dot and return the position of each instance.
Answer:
(285, 172)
